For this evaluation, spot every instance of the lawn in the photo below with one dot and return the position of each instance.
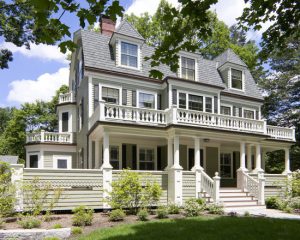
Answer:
(202, 228)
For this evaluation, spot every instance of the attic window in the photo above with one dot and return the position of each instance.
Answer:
(236, 79)
(188, 68)
(129, 55)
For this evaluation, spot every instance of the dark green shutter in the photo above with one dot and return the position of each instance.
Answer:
(215, 104)
(159, 101)
(124, 97)
(134, 98)
(174, 96)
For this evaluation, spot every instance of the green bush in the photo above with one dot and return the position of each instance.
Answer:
(1, 223)
(295, 184)
(246, 214)
(128, 192)
(51, 238)
(29, 222)
(143, 214)
(201, 201)
(294, 203)
(76, 230)
(162, 212)
(173, 209)
(57, 226)
(117, 215)
(7, 190)
(274, 203)
(215, 209)
(192, 208)
(82, 216)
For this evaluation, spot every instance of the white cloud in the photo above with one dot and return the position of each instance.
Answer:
(41, 51)
(43, 88)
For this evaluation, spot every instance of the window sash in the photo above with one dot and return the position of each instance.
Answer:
(33, 161)
(195, 102)
(225, 165)
(249, 114)
(146, 158)
(182, 100)
(62, 163)
(236, 79)
(65, 121)
(188, 68)
(146, 100)
(110, 95)
(114, 156)
(208, 104)
(225, 110)
(129, 54)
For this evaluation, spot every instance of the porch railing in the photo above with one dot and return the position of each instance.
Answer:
(207, 184)
(250, 184)
(281, 132)
(67, 97)
(52, 137)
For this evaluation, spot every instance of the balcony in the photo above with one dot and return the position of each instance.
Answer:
(66, 98)
(151, 117)
(50, 137)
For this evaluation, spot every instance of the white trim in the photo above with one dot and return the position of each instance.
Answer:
(138, 54)
(63, 157)
(119, 145)
(227, 105)
(138, 91)
(230, 79)
(142, 146)
(182, 54)
(31, 153)
(113, 87)
(249, 109)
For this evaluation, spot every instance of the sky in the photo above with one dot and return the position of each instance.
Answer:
(37, 73)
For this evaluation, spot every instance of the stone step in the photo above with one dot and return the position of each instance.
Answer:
(234, 194)
(236, 198)
(239, 203)
(230, 190)
(243, 209)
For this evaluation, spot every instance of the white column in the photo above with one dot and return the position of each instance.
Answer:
(90, 153)
(170, 153)
(217, 180)
(242, 156)
(197, 156)
(249, 157)
(258, 168)
(176, 152)
(287, 161)
(106, 157)
(242, 169)
(97, 154)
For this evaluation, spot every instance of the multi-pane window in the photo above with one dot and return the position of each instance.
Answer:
(182, 100)
(110, 95)
(225, 110)
(225, 165)
(146, 158)
(65, 121)
(129, 55)
(249, 114)
(114, 156)
(33, 161)
(62, 163)
(146, 100)
(236, 79)
(208, 104)
(195, 102)
(188, 68)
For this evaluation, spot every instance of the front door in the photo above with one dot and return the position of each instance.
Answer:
(191, 158)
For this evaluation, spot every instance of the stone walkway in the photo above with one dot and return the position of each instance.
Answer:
(271, 213)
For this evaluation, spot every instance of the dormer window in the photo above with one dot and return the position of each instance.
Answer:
(129, 55)
(188, 68)
(236, 79)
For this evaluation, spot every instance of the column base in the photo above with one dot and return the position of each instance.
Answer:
(106, 166)
(197, 168)
(258, 170)
(242, 169)
(287, 172)
(176, 167)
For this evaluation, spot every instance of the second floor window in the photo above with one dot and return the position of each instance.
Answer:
(236, 79)
(129, 55)
(208, 104)
(65, 121)
(182, 100)
(110, 95)
(195, 102)
(146, 100)
(225, 110)
(249, 114)
(188, 68)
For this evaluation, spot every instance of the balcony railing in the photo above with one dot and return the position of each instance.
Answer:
(49, 137)
(113, 112)
(66, 98)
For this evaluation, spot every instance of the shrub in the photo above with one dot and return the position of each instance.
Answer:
(82, 216)
(76, 230)
(215, 209)
(1, 223)
(143, 214)
(57, 226)
(162, 212)
(51, 238)
(129, 192)
(192, 207)
(29, 222)
(246, 214)
(7, 190)
(294, 203)
(273, 203)
(173, 209)
(201, 201)
(117, 215)
(295, 184)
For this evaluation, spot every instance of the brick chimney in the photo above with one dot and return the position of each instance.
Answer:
(107, 26)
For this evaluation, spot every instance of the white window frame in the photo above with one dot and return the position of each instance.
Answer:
(230, 79)
(226, 105)
(231, 163)
(138, 55)
(249, 109)
(180, 65)
(146, 92)
(62, 157)
(110, 86)
(40, 160)
(69, 121)
(119, 145)
(154, 147)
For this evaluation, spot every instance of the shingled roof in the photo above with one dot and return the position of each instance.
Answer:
(229, 56)
(125, 28)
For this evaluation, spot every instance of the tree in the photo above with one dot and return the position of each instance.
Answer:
(5, 116)
(30, 117)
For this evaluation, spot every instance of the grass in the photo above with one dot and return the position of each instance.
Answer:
(207, 228)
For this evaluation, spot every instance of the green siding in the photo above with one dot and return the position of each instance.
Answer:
(212, 159)
(183, 156)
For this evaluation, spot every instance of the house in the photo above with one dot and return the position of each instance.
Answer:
(203, 121)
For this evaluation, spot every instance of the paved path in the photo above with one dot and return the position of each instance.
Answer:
(271, 213)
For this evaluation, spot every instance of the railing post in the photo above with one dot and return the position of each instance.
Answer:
(216, 179)
(102, 110)
(175, 185)
(293, 133)
(17, 179)
(261, 190)
(174, 114)
(198, 176)
(42, 135)
(265, 126)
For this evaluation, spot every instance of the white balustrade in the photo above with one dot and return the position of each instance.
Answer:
(67, 97)
(207, 184)
(250, 184)
(281, 132)
(50, 137)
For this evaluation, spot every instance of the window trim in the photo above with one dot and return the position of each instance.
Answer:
(231, 164)
(119, 145)
(110, 86)
(226, 105)
(69, 121)
(249, 109)
(150, 146)
(180, 65)
(40, 163)
(138, 91)
(230, 79)
(64, 157)
(138, 55)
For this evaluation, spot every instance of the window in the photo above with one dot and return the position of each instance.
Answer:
(96, 96)
(188, 68)
(225, 110)
(182, 100)
(146, 100)
(195, 102)
(225, 165)
(129, 55)
(62, 163)
(248, 114)
(208, 104)
(236, 79)
(114, 156)
(65, 121)
(110, 95)
(146, 159)
(33, 161)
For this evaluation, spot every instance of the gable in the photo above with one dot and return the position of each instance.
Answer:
(125, 28)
